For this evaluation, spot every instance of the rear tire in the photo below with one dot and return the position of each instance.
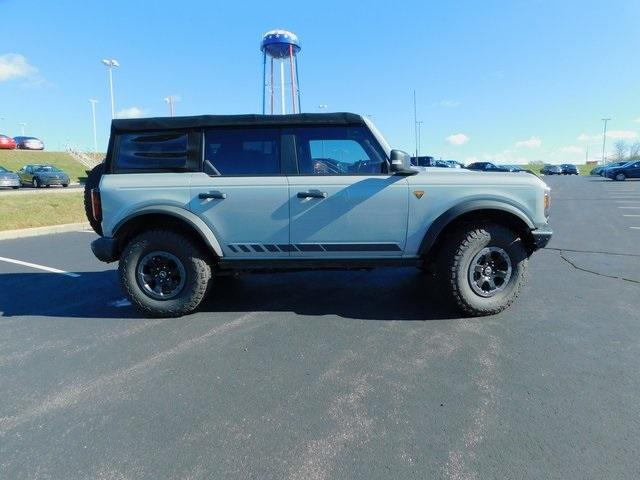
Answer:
(186, 272)
(475, 253)
(93, 181)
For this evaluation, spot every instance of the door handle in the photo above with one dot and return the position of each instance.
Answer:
(312, 194)
(213, 194)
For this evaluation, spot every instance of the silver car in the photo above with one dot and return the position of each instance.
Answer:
(9, 179)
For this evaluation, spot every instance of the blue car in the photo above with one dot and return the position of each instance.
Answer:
(621, 173)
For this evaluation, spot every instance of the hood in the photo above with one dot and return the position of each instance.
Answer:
(8, 175)
(460, 176)
(52, 174)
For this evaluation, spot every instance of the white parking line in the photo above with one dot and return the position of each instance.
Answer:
(633, 215)
(635, 228)
(39, 267)
(628, 207)
(627, 201)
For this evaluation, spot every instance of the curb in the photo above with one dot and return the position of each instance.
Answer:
(37, 231)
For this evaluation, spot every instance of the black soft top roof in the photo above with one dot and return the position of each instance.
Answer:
(168, 123)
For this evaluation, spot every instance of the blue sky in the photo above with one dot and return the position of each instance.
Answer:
(508, 81)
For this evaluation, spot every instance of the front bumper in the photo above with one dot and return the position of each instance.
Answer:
(105, 249)
(54, 181)
(541, 236)
(9, 182)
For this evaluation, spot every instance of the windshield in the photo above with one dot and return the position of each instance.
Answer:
(46, 168)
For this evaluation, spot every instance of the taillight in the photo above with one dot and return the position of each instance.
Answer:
(96, 205)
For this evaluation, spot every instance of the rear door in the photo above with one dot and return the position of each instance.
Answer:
(241, 194)
(343, 201)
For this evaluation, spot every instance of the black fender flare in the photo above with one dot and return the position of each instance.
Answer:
(455, 212)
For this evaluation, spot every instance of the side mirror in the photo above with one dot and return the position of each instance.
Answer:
(401, 163)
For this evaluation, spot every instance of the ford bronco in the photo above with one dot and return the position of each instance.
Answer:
(181, 201)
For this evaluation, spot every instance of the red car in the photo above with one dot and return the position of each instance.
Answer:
(7, 143)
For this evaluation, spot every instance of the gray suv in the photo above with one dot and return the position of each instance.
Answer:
(181, 201)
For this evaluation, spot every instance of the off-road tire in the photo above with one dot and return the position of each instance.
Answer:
(194, 260)
(93, 181)
(455, 259)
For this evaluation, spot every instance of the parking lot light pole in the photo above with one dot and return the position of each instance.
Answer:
(93, 113)
(604, 140)
(22, 125)
(169, 101)
(110, 63)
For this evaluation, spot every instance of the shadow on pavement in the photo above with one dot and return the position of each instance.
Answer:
(383, 294)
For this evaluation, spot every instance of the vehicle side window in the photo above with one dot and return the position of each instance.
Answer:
(242, 151)
(152, 151)
(338, 151)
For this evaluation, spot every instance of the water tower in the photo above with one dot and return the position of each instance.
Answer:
(280, 46)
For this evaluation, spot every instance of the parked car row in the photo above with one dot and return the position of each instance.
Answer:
(22, 143)
(426, 161)
(564, 169)
(36, 176)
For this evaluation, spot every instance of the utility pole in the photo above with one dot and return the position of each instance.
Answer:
(419, 143)
(93, 113)
(586, 158)
(604, 140)
(415, 121)
(22, 125)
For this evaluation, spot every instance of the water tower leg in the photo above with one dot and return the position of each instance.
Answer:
(293, 80)
(264, 81)
(284, 107)
(298, 85)
(271, 86)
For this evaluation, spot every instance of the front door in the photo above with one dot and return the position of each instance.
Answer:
(242, 194)
(343, 202)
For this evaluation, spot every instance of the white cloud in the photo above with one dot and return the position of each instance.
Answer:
(533, 142)
(449, 103)
(13, 65)
(572, 149)
(622, 134)
(457, 139)
(131, 112)
(638, 120)
(471, 159)
(583, 137)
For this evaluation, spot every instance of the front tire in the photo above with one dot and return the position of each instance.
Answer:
(620, 177)
(36, 183)
(482, 269)
(164, 274)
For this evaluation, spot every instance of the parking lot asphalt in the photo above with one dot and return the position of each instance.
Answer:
(348, 375)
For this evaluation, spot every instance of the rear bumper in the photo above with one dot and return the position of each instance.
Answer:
(105, 249)
(11, 182)
(541, 236)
